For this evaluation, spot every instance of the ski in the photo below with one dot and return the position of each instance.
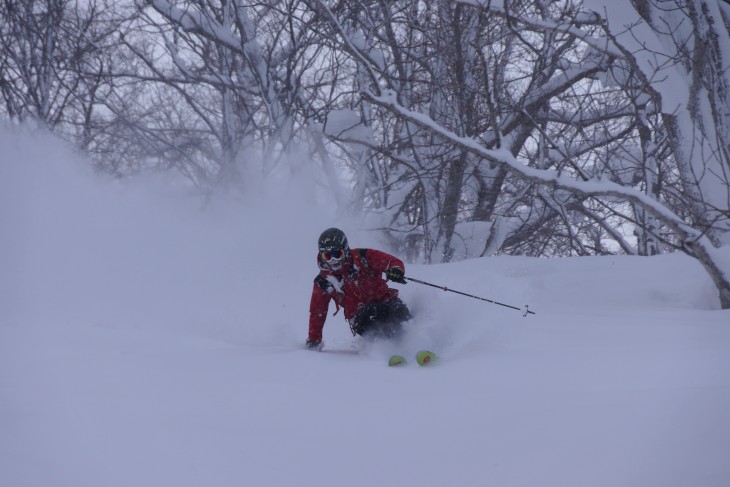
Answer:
(423, 358)
(396, 360)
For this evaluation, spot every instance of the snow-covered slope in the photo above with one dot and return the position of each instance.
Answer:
(146, 342)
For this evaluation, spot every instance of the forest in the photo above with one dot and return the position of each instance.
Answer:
(462, 128)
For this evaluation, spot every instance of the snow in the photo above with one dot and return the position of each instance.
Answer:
(346, 125)
(652, 55)
(146, 341)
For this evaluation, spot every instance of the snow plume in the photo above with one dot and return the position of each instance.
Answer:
(79, 248)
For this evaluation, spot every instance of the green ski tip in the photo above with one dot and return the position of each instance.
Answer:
(424, 357)
(396, 360)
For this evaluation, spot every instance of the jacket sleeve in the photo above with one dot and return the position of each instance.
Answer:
(380, 261)
(318, 307)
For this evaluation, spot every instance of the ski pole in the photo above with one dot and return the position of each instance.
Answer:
(525, 309)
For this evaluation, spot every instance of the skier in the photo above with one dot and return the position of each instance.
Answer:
(353, 279)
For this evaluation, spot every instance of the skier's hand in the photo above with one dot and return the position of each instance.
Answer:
(395, 274)
(313, 344)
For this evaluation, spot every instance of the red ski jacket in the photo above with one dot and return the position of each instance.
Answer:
(360, 281)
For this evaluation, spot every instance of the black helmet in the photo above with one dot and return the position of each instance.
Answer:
(333, 239)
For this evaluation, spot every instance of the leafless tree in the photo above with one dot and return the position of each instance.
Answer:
(217, 84)
(52, 63)
(564, 143)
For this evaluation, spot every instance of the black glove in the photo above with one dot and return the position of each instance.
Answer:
(313, 344)
(395, 274)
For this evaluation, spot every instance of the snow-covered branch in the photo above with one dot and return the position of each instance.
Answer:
(696, 243)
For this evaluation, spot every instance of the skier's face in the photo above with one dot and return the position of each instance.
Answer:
(335, 260)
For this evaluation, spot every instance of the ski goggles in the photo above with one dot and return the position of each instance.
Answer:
(328, 255)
